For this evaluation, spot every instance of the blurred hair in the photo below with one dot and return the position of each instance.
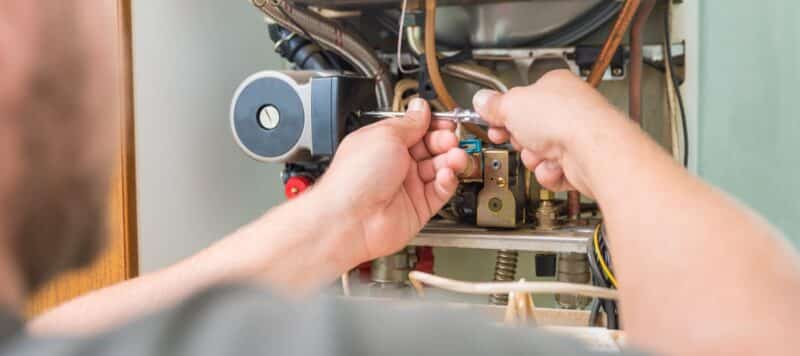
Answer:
(57, 208)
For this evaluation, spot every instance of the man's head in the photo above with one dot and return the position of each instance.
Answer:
(58, 120)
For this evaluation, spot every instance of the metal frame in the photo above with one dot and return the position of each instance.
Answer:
(447, 234)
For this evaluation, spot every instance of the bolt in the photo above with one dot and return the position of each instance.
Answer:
(269, 117)
(617, 72)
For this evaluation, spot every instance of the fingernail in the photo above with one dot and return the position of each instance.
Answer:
(416, 104)
(481, 97)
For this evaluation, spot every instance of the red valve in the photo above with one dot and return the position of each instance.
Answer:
(425, 259)
(296, 185)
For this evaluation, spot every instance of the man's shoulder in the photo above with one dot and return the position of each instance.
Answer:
(237, 320)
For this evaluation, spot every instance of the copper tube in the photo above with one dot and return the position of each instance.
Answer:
(332, 36)
(432, 63)
(598, 70)
(573, 204)
(637, 64)
(430, 57)
(612, 43)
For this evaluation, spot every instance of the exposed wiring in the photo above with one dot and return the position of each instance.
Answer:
(675, 82)
(601, 258)
(599, 279)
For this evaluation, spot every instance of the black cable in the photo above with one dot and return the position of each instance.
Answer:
(580, 27)
(328, 56)
(675, 83)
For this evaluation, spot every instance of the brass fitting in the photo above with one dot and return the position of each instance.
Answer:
(547, 213)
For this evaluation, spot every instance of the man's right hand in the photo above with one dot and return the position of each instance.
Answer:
(545, 121)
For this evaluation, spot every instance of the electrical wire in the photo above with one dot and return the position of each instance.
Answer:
(675, 83)
(601, 257)
(599, 279)
(417, 279)
(580, 27)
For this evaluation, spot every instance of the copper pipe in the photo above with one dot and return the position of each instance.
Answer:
(430, 57)
(432, 63)
(637, 64)
(598, 70)
(612, 43)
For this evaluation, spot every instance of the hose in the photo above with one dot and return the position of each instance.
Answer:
(346, 44)
(298, 50)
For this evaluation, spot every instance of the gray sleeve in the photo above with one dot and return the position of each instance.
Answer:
(247, 321)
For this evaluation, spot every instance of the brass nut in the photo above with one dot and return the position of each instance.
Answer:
(545, 194)
(501, 182)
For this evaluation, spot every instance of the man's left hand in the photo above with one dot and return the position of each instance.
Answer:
(394, 176)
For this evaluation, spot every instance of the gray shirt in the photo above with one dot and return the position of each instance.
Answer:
(248, 321)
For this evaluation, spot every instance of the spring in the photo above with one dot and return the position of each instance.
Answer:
(505, 269)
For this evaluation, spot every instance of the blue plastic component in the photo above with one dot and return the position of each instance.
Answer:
(471, 145)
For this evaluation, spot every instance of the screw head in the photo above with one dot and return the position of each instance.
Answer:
(269, 117)
(495, 204)
(617, 72)
(496, 164)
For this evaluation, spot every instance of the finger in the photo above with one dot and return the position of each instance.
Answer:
(487, 103)
(442, 125)
(498, 135)
(530, 159)
(441, 189)
(440, 141)
(413, 126)
(455, 159)
(515, 144)
(551, 176)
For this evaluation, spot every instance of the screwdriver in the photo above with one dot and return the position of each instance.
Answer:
(457, 116)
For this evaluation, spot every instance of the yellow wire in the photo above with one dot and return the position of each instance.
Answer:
(600, 257)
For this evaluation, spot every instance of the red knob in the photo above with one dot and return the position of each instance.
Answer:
(296, 185)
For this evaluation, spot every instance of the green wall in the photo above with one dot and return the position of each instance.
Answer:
(749, 113)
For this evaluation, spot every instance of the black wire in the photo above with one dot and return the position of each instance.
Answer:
(328, 56)
(580, 27)
(675, 83)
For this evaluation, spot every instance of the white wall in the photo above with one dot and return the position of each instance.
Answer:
(194, 184)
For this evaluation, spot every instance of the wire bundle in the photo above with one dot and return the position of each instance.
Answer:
(603, 276)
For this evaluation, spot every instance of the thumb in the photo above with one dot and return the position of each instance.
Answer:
(412, 127)
(488, 103)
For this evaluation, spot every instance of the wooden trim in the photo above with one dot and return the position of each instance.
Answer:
(121, 260)
(127, 136)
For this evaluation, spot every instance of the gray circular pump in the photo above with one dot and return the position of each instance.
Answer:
(295, 116)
